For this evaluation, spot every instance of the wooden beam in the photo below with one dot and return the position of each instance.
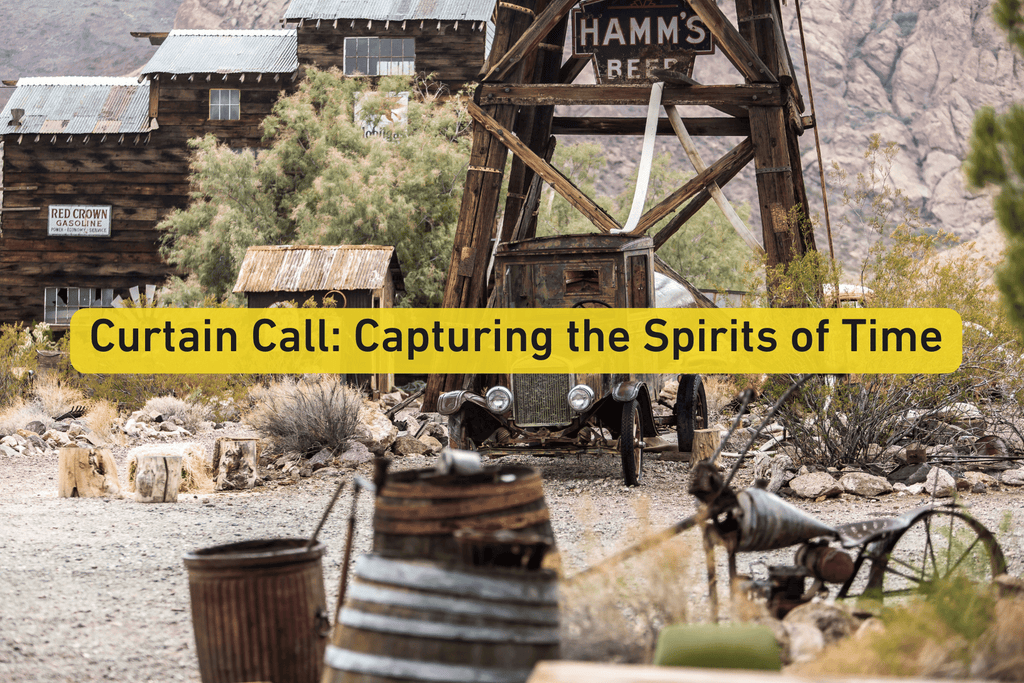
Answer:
(610, 125)
(738, 50)
(739, 155)
(684, 79)
(572, 68)
(550, 174)
(528, 41)
(710, 95)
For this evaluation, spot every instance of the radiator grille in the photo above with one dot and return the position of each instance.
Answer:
(541, 400)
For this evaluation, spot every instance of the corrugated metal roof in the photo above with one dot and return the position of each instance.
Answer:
(78, 105)
(394, 10)
(317, 268)
(200, 52)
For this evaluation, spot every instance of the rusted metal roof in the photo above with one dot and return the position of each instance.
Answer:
(317, 268)
(393, 10)
(201, 52)
(78, 105)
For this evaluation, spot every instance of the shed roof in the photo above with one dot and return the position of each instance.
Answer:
(196, 52)
(394, 10)
(78, 105)
(317, 268)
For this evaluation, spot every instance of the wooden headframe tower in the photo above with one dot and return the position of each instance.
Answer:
(513, 110)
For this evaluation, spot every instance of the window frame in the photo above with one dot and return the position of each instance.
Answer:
(369, 64)
(221, 106)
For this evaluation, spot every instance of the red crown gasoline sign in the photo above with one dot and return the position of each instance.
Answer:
(629, 38)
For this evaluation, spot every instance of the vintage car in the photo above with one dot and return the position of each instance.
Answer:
(557, 414)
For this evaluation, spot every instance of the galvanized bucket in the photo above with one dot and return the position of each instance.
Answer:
(259, 611)
(409, 620)
(417, 512)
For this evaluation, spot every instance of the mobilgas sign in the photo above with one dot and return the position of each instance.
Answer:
(628, 39)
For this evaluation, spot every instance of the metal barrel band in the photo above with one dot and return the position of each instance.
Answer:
(380, 595)
(469, 633)
(447, 526)
(437, 579)
(379, 665)
(774, 169)
(458, 508)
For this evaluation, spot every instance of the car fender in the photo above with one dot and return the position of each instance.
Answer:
(635, 389)
(451, 401)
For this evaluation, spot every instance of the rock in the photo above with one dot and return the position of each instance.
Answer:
(871, 626)
(940, 483)
(321, 459)
(815, 485)
(834, 622)
(432, 444)
(409, 445)
(407, 419)
(391, 399)
(36, 426)
(8, 451)
(915, 489)
(805, 641)
(1013, 477)
(913, 454)
(863, 484)
(910, 474)
(355, 454)
(375, 430)
(76, 430)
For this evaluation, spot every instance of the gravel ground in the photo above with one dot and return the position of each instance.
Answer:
(95, 589)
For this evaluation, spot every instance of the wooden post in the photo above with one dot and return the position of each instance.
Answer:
(234, 463)
(157, 478)
(705, 443)
(86, 473)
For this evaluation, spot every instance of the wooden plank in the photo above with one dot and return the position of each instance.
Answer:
(555, 94)
(698, 202)
(572, 68)
(738, 50)
(676, 77)
(717, 126)
(774, 183)
(736, 156)
(547, 20)
(562, 185)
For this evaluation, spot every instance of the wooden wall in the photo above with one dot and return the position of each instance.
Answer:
(456, 56)
(140, 182)
(183, 107)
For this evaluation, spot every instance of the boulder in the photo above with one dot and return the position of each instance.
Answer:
(864, 484)
(375, 430)
(432, 444)
(834, 622)
(321, 459)
(805, 641)
(355, 454)
(910, 474)
(1013, 477)
(409, 445)
(815, 485)
(940, 483)
(36, 426)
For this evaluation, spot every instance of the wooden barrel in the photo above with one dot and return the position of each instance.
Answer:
(417, 511)
(259, 611)
(410, 620)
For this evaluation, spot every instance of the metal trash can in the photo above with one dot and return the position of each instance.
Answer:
(259, 611)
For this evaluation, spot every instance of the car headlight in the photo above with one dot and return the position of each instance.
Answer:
(581, 397)
(499, 400)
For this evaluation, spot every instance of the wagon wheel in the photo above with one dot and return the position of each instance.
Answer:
(631, 443)
(591, 303)
(940, 545)
(691, 410)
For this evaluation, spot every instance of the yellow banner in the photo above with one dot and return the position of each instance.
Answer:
(233, 340)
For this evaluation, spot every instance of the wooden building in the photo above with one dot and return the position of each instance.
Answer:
(357, 276)
(219, 82)
(85, 182)
(449, 38)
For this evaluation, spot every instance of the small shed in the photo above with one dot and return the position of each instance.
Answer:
(220, 82)
(358, 276)
(449, 38)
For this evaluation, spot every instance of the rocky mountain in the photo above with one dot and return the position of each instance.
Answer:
(911, 71)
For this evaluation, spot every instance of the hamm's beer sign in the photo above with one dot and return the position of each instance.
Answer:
(628, 39)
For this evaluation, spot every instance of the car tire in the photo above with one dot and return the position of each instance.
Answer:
(631, 443)
(691, 410)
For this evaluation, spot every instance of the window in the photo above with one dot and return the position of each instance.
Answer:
(224, 105)
(380, 56)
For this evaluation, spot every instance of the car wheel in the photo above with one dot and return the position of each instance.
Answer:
(691, 410)
(631, 444)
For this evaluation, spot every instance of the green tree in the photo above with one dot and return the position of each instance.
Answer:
(322, 181)
(996, 158)
(706, 250)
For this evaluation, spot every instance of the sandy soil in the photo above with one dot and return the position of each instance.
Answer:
(95, 589)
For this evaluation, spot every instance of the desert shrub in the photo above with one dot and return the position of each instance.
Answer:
(306, 416)
(19, 413)
(56, 396)
(130, 392)
(191, 413)
(102, 420)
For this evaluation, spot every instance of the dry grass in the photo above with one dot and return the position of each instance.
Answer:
(189, 412)
(56, 397)
(195, 478)
(19, 414)
(102, 419)
(616, 614)
(306, 416)
(720, 390)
